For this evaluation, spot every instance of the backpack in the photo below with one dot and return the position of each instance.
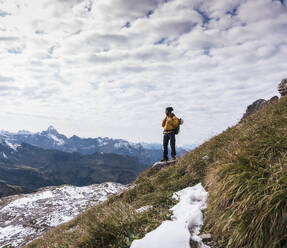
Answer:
(177, 130)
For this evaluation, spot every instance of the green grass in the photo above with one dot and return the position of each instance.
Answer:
(248, 189)
(244, 169)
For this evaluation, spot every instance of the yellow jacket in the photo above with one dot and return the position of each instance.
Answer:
(170, 123)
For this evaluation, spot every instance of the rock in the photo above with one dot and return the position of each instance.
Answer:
(258, 105)
(144, 208)
(254, 107)
(205, 157)
(282, 87)
(273, 99)
(194, 244)
(159, 165)
(206, 237)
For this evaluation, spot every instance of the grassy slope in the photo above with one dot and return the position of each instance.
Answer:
(244, 170)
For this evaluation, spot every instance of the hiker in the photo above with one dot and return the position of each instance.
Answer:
(169, 124)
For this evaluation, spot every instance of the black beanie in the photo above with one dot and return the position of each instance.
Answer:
(169, 109)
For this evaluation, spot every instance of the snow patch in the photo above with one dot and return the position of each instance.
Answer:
(143, 209)
(102, 141)
(58, 141)
(126, 145)
(121, 144)
(185, 224)
(4, 155)
(12, 146)
(14, 231)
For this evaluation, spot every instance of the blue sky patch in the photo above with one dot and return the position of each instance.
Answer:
(232, 12)
(161, 41)
(3, 13)
(283, 2)
(206, 51)
(204, 15)
(51, 49)
(60, 79)
(15, 50)
(127, 25)
(149, 13)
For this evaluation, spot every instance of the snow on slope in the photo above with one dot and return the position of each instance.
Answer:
(127, 145)
(57, 140)
(185, 224)
(24, 217)
(4, 155)
(12, 146)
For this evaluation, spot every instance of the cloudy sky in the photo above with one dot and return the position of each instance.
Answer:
(110, 67)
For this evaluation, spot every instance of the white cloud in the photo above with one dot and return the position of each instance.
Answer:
(110, 67)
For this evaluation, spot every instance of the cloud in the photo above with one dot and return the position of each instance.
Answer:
(41, 93)
(6, 87)
(90, 66)
(6, 79)
(8, 38)
(6, 90)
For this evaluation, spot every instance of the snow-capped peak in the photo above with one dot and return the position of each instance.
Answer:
(51, 129)
(52, 134)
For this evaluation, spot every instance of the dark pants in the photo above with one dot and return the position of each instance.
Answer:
(166, 138)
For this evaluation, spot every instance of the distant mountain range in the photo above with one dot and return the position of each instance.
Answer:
(25, 168)
(52, 139)
(29, 161)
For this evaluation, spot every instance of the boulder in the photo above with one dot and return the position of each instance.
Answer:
(206, 237)
(159, 165)
(282, 87)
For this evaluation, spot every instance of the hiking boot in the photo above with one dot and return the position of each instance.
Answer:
(164, 160)
(173, 157)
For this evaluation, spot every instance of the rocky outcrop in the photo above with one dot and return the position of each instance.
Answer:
(282, 87)
(261, 103)
(257, 105)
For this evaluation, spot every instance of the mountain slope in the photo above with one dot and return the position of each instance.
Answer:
(6, 189)
(28, 168)
(244, 170)
(24, 217)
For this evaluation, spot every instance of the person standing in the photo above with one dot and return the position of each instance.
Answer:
(169, 124)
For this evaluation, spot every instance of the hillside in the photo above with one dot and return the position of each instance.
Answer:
(26, 168)
(244, 169)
